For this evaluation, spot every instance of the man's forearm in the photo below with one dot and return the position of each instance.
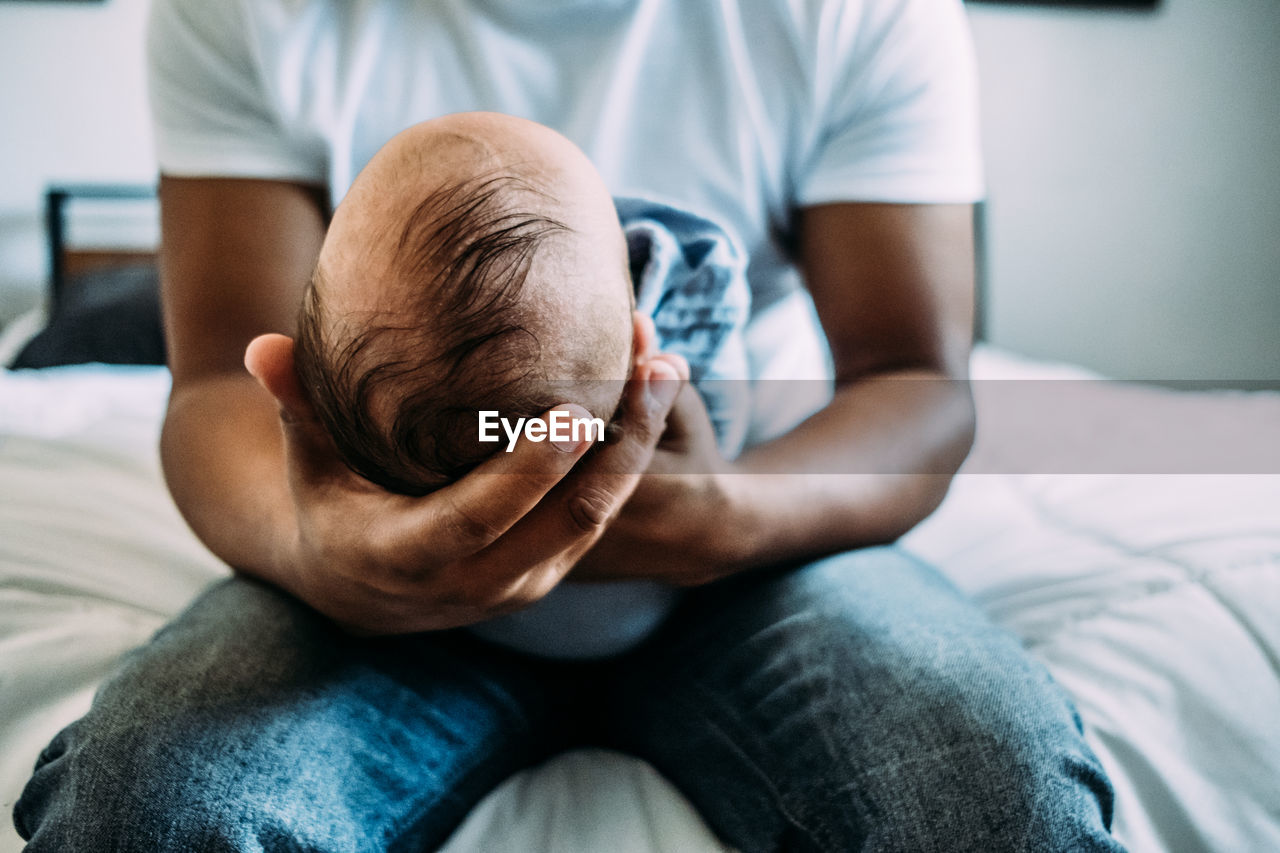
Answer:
(222, 454)
(864, 470)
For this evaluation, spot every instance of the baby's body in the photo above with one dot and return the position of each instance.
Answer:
(477, 264)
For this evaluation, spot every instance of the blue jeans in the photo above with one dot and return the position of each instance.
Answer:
(858, 703)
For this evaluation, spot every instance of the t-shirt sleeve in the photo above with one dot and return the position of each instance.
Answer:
(212, 112)
(896, 95)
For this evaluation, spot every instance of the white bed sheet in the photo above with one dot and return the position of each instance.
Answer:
(1154, 599)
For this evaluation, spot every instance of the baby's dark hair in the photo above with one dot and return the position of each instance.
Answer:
(453, 345)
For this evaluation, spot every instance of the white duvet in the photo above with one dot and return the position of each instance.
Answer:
(1153, 598)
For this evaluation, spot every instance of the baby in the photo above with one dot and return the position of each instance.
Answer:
(477, 264)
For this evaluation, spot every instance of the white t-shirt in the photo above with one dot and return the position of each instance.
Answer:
(738, 111)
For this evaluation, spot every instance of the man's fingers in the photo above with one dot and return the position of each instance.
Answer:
(521, 514)
(470, 514)
(577, 510)
(649, 398)
(687, 416)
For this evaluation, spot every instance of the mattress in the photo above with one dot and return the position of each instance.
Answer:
(1151, 590)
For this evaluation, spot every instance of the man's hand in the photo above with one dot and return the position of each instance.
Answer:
(682, 525)
(495, 541)
(893, 287)
(261, 486)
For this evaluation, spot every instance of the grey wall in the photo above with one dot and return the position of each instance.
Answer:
(1134, 180)
(1133, 165)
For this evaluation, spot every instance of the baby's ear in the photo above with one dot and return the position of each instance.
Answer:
(269, 359)
(644, 337)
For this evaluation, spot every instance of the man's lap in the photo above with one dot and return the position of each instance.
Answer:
(849, 702)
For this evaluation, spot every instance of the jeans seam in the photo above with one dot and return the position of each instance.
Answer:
(420, 807)
(824, 839)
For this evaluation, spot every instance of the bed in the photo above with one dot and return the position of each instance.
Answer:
(1129, 535)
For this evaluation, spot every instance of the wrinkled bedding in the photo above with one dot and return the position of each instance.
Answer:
(1154, 598)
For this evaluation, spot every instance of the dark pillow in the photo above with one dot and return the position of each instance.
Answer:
(111, 316)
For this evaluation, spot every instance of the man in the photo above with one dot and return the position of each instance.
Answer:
(319, 701)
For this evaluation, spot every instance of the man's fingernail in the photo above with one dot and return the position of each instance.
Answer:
(664, 382)
(576, 414)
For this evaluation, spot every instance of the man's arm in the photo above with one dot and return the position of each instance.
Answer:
(258, 480)
(237, 255)
(893, 288)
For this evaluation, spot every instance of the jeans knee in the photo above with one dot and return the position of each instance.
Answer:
(989, 771)
(909, 720)
(94, 789)
(105, 787)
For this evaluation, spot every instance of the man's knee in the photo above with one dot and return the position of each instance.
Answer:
(238, 778)
(952, 739)
(888, 714)
(252, 724)
(97, 788)
(981, 773)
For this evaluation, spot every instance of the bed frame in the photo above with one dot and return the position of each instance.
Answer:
(66, 260)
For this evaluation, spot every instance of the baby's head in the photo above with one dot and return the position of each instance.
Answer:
(476, 263)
